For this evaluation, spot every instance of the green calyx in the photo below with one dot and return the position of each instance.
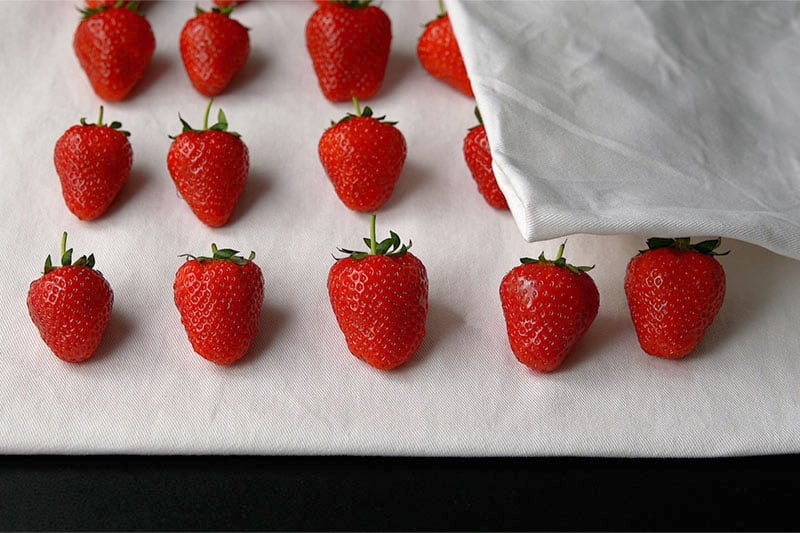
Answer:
(366, 112)
(390, 246)
(225, 10)
(479, 117)
(226, 254)
(114, 125)
(220, 125)
(559, 261)
(88, 12)
(354, 4)
(707, 247)
(66, 258)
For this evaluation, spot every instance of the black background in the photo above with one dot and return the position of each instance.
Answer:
(397, 493)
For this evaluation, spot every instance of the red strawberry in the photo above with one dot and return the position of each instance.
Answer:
(219, 299)
(439, 54)
(114, 46)
(675, 290)
(363, 157)
(227, 3)
(548, 307)
(93, 162)
(70, 306)
(349, 43)
(479, 160)
(380, 300)
(214, 48)
(210, 168)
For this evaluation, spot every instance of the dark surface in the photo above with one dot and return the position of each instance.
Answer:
(371, 493)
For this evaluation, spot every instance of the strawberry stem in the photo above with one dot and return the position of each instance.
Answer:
(442, 11)
(64, 243)
(100, 118)
(66, 257)
(559, 261)
(391, 247)
(373, 246)
(560, 252)
(358, 106)
(205, 116)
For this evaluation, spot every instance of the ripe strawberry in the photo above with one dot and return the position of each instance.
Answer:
(363, 157)
(439, 54)
(675, 290)
(548, 307)
(210, 168)
(114, 46)
(479, 160)
(93, 162)
(380, 300)
(219, 299)
(349, 43)
(227, 3)
(70, 306)
(214, 48)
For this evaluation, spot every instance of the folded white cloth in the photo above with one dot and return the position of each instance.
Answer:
(654, 118)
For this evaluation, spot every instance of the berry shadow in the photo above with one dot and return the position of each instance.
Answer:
(604, 331)
(413, 179)
(159, 66)
(273, 320)
(397, 69)
(754, 293)
(256, 187)
(441, 323)
(118, 330)
(132, 188)
(255, 66)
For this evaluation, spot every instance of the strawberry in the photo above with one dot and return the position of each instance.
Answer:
(219, 299)
(675, 290)
(548, 307)
(227, 3)
(210, 168)
(70, 306)
(214, 48)
(479, 160)
(93, 162)
(114, 46)
(363, 156)
(438, 52)
(380, 300)
(349, 42)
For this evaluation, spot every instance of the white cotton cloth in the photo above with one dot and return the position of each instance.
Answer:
(299, 391)
(653, 118)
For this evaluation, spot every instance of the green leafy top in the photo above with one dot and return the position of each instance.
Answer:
(66, 258)
(707, 247)
(226, 254)
(114, 125)
(87, 12)
(479, 117)
(366, 112)
(355, 4)
(390, 246)
(559, 261)
(221, 124)
(224, 10)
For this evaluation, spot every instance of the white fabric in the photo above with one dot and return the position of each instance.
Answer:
(677, 118)
(299, 391)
